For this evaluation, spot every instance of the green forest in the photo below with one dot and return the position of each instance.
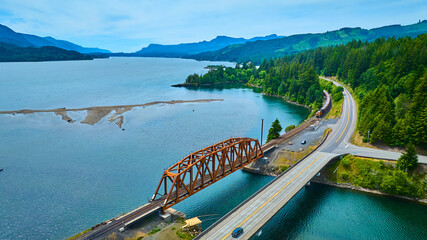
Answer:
(388, 77)
(256, 51)
(13, 53)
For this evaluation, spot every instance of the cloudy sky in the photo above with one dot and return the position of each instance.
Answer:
(128, 25)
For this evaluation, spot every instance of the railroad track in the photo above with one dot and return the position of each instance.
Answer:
(117, 223)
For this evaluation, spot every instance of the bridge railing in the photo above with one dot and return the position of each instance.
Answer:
(259, 191)
(205, 167)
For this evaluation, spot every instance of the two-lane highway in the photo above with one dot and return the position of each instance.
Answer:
(346, 147)
(254, 212)
(260, 207)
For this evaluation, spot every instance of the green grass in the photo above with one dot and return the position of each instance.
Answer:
(154, 231)
(335, 111)
(184, 235)
(79, 234)
(283, 168)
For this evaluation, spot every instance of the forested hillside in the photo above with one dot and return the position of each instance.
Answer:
(259, 50)
(12, 53)
(389, 79)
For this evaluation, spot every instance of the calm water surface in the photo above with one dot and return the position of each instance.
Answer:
(60, 178)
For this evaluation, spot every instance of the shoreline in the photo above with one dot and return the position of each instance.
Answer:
(279, 96)
(321, 180)
(203, 84)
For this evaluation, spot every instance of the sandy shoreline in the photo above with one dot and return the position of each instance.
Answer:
(96, 114)
(24, 111)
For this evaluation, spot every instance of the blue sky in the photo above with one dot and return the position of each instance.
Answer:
(128, 25)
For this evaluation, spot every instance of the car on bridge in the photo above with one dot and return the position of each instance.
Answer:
(236, 232)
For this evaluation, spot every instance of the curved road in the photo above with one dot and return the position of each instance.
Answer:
(346, 147)
(254, 212)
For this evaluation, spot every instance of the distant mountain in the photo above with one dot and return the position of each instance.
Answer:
(7, 35)
(258, 50)
(185, 49)
(13, 53)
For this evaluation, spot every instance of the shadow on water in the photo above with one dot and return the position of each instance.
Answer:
(292, 218)
(223, 86)
(222, 196)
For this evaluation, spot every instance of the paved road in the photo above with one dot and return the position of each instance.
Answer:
(346, 147)
(252, 214)
(257, 210)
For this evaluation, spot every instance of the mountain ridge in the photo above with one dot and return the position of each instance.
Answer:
(13, 53)
(279, 47)
(186, 49)
(7, 35)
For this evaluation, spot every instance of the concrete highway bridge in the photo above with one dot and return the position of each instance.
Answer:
(206, 166)
(255, 211)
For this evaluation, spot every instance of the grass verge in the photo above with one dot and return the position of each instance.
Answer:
(335, 111)
(79, 234)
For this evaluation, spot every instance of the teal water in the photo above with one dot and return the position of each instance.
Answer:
(60, 178)
(324, 212)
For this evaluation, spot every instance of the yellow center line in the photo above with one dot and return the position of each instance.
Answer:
(273, 196)
(348, 118)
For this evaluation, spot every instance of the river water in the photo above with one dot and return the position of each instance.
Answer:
(63, 177)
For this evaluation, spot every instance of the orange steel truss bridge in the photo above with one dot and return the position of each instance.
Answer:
(205, 167)
(188, 176)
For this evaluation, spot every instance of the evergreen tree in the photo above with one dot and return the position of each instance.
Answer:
(409, 159)
(274, 131)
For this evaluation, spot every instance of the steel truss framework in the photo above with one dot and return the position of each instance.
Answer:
(205, 167)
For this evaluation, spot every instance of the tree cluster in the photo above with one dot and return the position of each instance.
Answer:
(219, 75)
(289, 128)
(290, 79)
(381, 176)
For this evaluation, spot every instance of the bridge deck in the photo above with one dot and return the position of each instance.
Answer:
(257, 210)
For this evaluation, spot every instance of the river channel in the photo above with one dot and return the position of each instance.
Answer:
(64, 175)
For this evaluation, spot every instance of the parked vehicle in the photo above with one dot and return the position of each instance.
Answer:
(303, 142)
(236, 232)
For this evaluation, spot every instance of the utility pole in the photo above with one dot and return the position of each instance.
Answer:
(368, 134)
(262, 126)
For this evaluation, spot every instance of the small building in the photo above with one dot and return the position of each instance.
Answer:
(192, 223)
